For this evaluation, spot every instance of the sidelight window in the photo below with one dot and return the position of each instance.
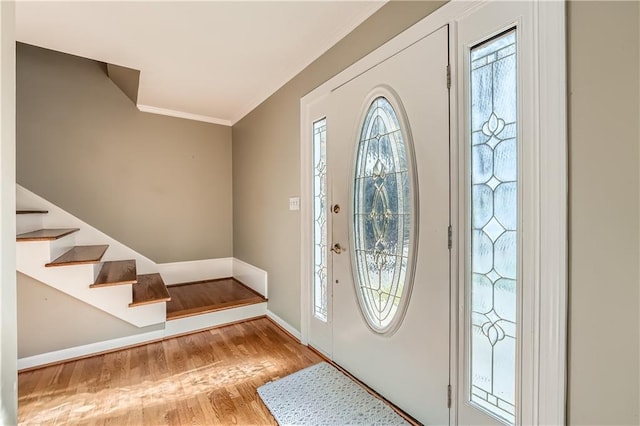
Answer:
(494, 225)
(320, 219)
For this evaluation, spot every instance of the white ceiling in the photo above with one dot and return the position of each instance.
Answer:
(212, 61)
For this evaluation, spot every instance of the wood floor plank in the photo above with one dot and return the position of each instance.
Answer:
(195, 379)
(79, 255)
(117, 272)
(46, 234)
(149, 289)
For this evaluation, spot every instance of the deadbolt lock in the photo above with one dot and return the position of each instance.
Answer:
(336, 208)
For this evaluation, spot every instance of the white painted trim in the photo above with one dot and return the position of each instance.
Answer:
(306, 220)
(186, 115)
(214, 319)
(282, 323)
(457, 204)
(89, 349)
(553, 284)
(251, 276)
(195, 270)
(8, 305)
(172, 328)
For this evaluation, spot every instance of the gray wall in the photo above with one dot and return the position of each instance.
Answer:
(266, 159)
(8, 339)
(158, 184)
(603, 60)
(48, 320)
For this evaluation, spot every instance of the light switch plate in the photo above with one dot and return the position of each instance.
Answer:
(294, 203)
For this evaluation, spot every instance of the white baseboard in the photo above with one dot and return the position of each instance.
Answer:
(251, 276)
(85, 350)
(282, 323)
(172, 328)
(196, 270)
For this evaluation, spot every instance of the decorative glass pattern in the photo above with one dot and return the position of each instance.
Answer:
(494, 218)
(320, 209)
(381, 216)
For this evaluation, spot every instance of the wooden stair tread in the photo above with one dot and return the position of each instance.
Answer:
(149, 289)
(46, 234)
(117, 272)
(80, 255)
(32, 211)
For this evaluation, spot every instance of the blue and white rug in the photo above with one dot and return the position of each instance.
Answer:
(322, 395)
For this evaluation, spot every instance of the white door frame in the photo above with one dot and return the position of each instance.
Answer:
(543, 367)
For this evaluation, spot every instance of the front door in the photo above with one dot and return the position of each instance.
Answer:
(388, 163)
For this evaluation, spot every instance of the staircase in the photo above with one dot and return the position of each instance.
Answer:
(68, 254)
(50, 255)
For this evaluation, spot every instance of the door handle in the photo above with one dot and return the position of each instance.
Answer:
(337, 248)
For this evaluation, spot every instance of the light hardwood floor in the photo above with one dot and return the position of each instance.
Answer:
(205, 378)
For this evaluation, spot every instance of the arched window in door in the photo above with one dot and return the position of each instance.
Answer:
(383, 219)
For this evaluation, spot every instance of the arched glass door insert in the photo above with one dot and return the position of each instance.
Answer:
(383, 219)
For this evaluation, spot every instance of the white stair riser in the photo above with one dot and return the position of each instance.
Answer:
(60, 246)
(213, 319)
(28, 222)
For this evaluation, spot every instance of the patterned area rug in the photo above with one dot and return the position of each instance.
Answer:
(322, 395)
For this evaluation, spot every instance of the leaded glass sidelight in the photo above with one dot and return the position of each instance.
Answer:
(320, 219)
(494, 219)
(382, 217)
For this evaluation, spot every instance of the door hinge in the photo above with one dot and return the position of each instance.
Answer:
(449, 396)
(448, 76)
(450, 236)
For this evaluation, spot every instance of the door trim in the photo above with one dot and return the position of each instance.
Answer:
(544, 370)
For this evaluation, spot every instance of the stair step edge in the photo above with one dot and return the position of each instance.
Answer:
(149, 289)
(80, 255)
(46, 234)
(31, 211)
(117, 272)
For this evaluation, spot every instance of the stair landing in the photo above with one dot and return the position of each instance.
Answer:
(209, 296)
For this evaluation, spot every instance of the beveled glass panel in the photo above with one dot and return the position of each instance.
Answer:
(494, 219)
(320, 209)
(381, 216)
